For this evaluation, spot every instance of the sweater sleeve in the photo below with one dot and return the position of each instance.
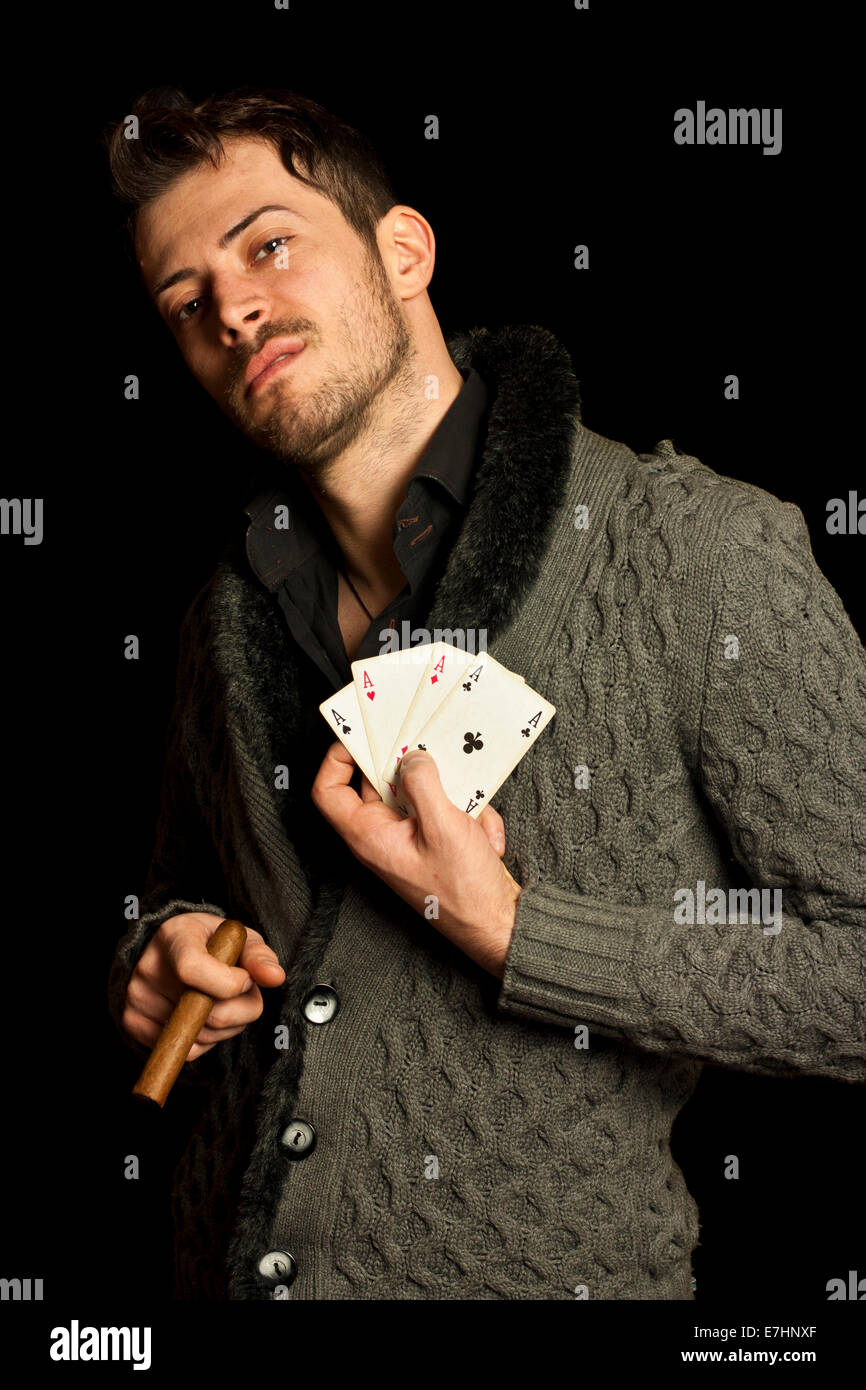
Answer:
(781, 759)
(183, 862)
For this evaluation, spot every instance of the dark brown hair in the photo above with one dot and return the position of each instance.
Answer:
(176, 134)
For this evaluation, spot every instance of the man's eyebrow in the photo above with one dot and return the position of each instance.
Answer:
(187, 273)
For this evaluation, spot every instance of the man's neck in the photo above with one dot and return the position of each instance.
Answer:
(364, 488)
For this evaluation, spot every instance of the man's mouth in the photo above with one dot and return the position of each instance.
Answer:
(274, 357)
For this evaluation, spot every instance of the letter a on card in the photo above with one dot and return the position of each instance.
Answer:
(385, 686)
(342, 714)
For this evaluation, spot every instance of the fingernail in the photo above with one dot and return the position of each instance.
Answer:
(248, 985)
(415, 753)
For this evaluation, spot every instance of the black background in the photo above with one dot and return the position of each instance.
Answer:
(556, 128)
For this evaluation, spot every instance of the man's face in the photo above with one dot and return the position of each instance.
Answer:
(292, 274)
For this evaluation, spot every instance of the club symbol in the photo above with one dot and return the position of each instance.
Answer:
(467, 685)
(472, 741)
(525, 733)
(479, 796)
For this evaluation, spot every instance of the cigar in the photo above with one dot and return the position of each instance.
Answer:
(163, 1066)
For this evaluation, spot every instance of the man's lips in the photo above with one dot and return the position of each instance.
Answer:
(274, 355)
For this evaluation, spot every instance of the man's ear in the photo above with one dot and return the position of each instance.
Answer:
(408, 250)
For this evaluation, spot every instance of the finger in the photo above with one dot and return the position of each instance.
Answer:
(494, 828)
(337, 767)
(331, 792)
(206, 1034)
(261, 962)
(148, 1031)
(150, 1003)
(511, 877)
(178, 959)
(229, 1013)
(196, 968)
(157, 969)
(368, 791)
(149, 1000)
(422, 785)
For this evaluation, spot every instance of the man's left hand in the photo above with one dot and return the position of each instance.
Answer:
(441, 851)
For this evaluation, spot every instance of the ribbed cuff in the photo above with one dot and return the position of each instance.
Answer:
(571, 959)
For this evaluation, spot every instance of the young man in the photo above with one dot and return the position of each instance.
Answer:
(477, 1105)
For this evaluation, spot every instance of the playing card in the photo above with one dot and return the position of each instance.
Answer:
(385, 686)
(445, 666)
(480, 732)
(344, 716)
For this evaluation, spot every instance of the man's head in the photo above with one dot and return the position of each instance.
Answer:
(262, 224)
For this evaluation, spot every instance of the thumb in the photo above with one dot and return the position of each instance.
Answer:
(261, 963)
(422, 786)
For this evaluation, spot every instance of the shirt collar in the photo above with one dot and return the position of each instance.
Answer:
(450, 455)
(449, 460)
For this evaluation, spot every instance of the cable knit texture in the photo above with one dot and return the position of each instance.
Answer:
(486, 1139)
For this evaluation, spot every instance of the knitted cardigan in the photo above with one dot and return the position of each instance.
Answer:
(487, 1139)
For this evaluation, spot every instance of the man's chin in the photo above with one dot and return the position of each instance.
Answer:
(264, 427)
(284, 444)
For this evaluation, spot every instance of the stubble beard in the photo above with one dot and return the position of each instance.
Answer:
(309, 431)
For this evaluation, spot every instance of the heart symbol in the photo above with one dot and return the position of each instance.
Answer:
(371, 694)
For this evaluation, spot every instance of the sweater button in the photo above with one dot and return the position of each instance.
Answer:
(321, 1004)
(298, 1139)
(279, 1267)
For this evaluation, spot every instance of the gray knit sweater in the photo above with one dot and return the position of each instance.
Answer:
(478, 1139)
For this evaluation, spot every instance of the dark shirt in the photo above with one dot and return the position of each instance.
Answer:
(301, 562)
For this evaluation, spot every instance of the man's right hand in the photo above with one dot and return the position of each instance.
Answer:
(177, 959)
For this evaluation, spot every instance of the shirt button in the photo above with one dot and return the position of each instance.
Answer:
(321, 1004)
(279, 1267)
(299, 1139)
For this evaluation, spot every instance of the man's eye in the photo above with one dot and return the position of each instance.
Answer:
(274, 241)
(189, 309)
(186, 311)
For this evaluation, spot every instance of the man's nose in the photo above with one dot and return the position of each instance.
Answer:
(241, 310)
